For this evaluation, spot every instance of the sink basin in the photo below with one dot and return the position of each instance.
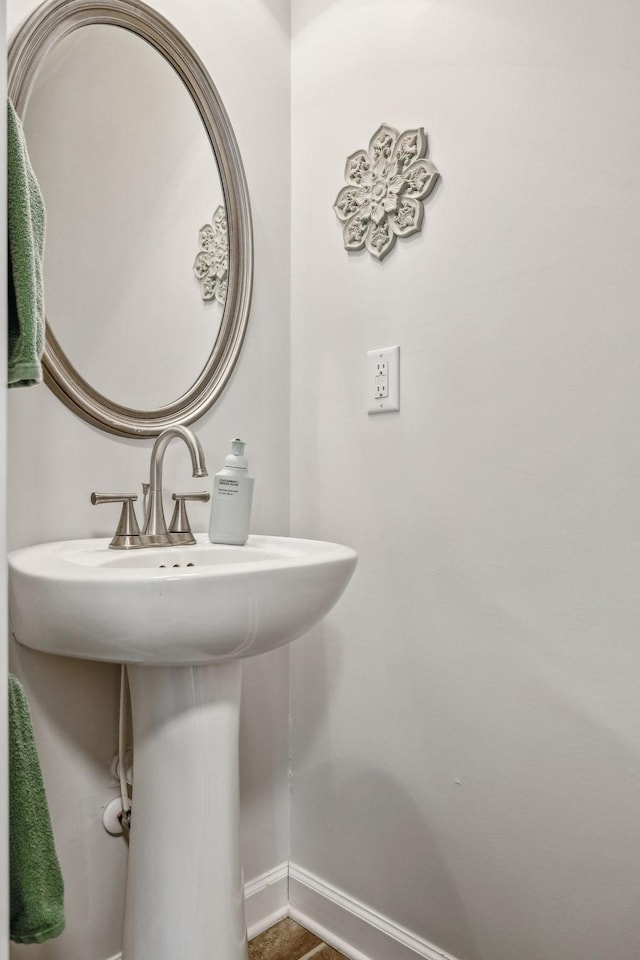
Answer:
(173, 605)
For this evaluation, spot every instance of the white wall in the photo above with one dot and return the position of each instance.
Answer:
(466, 723)
(56, 460)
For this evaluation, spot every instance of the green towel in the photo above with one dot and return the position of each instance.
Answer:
(26, 223)
(37, 890)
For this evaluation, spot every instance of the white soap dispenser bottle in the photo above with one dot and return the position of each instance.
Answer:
(231, 501)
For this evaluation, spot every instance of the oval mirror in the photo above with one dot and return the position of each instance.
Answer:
(148, 263)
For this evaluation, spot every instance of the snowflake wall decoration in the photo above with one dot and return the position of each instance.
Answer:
(211, 265)
(386, 186)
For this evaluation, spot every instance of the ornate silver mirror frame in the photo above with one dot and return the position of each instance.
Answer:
(27, 50)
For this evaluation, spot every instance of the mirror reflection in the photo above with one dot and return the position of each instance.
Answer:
(121, 152)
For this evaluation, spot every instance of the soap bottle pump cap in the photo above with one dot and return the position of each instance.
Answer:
(237, 458)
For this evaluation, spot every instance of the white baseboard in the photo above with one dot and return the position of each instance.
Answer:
(351, 927)
(266, 899)
(338, 919)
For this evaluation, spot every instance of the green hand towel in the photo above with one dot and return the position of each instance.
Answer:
(37, 890)
(26, 225)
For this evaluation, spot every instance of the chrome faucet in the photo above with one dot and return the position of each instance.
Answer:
(154, 532)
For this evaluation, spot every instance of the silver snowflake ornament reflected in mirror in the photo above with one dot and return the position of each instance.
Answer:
(211, 265)
(386, 186)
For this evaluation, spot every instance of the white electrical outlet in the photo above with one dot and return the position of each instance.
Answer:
(383, 380)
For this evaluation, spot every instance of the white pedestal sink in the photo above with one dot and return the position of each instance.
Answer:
(181, 618)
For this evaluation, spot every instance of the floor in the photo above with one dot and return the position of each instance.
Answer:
(287, 940)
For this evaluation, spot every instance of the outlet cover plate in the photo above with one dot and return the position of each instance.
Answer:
(390, 402)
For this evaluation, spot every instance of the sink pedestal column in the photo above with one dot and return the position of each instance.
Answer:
(185, 891)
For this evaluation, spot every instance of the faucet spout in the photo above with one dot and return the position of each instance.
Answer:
(155, 533)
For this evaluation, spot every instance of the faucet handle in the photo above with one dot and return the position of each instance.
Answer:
(127, 535)
(179, 527)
